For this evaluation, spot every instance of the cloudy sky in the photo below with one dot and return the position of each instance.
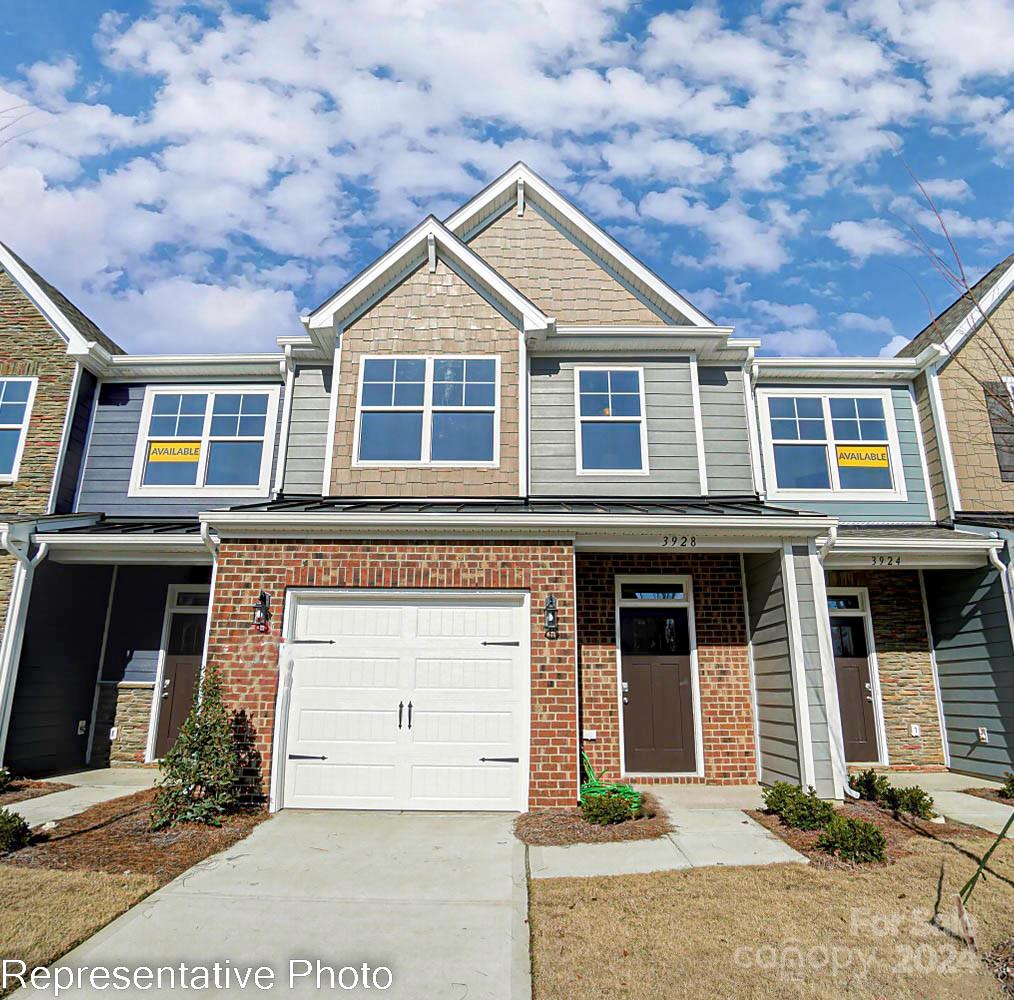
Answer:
(196, 174)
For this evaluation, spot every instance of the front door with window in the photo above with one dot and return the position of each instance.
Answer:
(855, 687)
(657, 690)
(187, 617)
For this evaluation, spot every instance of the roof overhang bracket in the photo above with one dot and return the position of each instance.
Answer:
(521, 197)
(431, 252)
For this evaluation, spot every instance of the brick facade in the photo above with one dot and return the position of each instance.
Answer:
(904, 665)
(127, 706)
(723, 661)
(436, 313)
(248, 661)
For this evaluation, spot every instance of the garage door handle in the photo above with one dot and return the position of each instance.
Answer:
(401, 708)
(410, 715)
(498, 760)
(514, 642)
(306, 756)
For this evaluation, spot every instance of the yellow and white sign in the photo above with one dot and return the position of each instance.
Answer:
(862, 456)
(174, 451)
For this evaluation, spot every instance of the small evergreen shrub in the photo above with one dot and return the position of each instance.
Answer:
(1007, 788)
(871, 786)
(14, 831)
(852, 840)
(200, 774)
(796, 808)
(5, 779)
(913, 801)
(604, 810)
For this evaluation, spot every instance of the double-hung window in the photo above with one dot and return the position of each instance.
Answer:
(841, 443)
(611, 428)
(16, 396)
(428, 411)
(196, 441)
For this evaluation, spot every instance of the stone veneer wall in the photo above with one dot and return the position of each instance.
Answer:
(127, 706)
(904, 664)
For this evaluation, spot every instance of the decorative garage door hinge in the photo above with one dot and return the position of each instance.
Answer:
(311, 642)
(513, 642)
(306, 756)
(498, 760)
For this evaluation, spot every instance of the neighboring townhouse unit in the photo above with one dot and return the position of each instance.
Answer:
(510, 498)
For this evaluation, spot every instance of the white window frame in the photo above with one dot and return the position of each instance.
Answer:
(578, 420)
(33, 385)
(864, 612)
(428, 409)
(263, 485)
(897, 493)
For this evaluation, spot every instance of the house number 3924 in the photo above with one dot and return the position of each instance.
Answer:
(679, 541)
(885, 560)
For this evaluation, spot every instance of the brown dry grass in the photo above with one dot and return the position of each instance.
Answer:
(43, 914)
(22, 789)
(676, 935)
(556, 827)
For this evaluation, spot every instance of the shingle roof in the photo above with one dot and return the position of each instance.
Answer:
(948, 321)
(87, 327)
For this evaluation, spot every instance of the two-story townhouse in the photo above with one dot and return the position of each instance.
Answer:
(111, 570)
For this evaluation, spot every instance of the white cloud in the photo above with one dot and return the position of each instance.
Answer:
(895, 344)
(947, 189)
(865, 324)
(802, 314)
(866, 239)
(644, 154)
(757, 166)
(800, 342)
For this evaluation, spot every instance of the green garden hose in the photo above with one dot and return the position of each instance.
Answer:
(593, 786)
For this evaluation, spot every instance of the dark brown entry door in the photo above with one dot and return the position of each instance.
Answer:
(179, 677)
(855, 690)
(658, 700)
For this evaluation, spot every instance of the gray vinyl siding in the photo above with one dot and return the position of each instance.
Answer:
(138, 613)
(56, 674)
(308, 430)
(726, 432)
(77, 441)
(915, 507)
(672, 442)
(809, 626)
(105, 481)
(975, 663)
(772, 664)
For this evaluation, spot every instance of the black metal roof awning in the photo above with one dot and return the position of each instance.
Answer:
(125, 526)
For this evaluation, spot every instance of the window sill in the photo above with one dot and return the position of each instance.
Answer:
(425, 465)
(614, 473)
(861, 496)
(195, 493)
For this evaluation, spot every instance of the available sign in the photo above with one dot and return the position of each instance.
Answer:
(862, 456)
(174, 451)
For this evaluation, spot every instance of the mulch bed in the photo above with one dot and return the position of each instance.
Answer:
(114, 837)
(993, 794)
(1000, 962)
(22, 789)
(559, 827)
(897, 831)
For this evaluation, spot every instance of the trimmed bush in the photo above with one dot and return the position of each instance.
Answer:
(852, 840)
(871, 786)
(5, 779)
(604, 810)
(200, 774)
(14, 831)
(1007, 788)
(796, 808)
(913, 801)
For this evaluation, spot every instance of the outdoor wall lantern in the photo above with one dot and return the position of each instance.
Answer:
(262, 612)
(551, 618)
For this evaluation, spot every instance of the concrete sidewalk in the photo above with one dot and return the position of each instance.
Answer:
(90, 788)
(711, 829)
(947, 789)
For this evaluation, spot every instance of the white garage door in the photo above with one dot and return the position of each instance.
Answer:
(399, 702)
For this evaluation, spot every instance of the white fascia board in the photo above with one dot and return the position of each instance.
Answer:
(812, 369)
(203, 367)
(858, 552)
(709, 345)
(977, 312)
(537, 187)
(68, 547)
(321, 323)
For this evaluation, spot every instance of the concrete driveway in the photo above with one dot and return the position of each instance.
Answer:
(439, 899)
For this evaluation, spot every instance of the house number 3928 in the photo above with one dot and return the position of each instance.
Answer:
(679, 541)
(885, 560)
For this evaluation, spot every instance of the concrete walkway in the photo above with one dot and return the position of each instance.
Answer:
(947, 789)
(439, 899)
(90, 788)
(711, 829)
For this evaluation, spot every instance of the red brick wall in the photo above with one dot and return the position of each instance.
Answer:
(723, 663)
(248, 661)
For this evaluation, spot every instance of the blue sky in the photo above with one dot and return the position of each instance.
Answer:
(196, 174)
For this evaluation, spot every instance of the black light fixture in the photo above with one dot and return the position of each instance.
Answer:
(262, 612)
(551, 618)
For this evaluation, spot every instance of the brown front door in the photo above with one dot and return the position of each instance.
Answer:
(658, 700)
(184, 647)
(855, 690)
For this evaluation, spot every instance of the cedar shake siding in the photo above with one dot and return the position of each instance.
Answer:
(428, 313)
(564, 281)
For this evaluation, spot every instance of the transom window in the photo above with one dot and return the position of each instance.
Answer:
(16, 395)
(832, 443)
(197, 440)
(611, 430)
(428, 411)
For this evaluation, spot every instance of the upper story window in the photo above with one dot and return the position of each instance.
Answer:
(16, 397)
(428, 411)
(821, 443)
(197, 440)
(611, 426)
